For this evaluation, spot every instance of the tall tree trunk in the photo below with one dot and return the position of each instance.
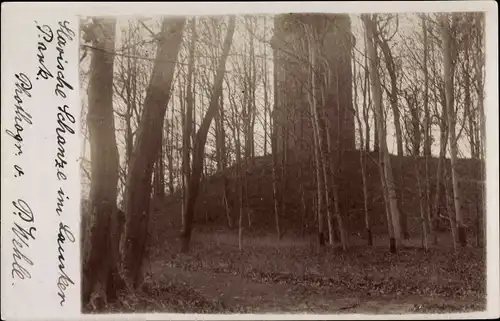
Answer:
(427, 131)
(221, 136)
(266, 101)
(393, 97)
(449, 54)
(239, 184)
(146, 149)
(170, 153)
(333, 173)
(336, 164)
(366, 104)
(478, 59)
(201, 137)
(427, 118)
(247, 130)
(318, 143)
(443, 140)
(362, 150)
(469, 113)
(274, 142)
(101, 256)
(188, 124)
(387, 177)
(253, 85)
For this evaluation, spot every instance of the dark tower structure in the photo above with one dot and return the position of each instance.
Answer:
(290, 45)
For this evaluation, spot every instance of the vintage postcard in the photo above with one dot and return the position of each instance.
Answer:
(250, 160)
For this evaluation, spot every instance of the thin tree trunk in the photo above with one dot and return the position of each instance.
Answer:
(188, 123)
(427, 132)
(253, 88)
(241, 192)
(362, 150)
(335, 165)
(318, 144)
(201, 137)
(479, 65)
(425, 231)
(440, 169)
(274, 152)
(226, 204)
(266, 101)
(336, 198)
(395, 229)
(449, 47)
(274, 141)
(393, 96)
(449, 210)
(366, 107)
(171, 155)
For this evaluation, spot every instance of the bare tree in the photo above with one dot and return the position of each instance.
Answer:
(383, 42)
(364, 148)
(385, 161)
(100, 267)
(478, 59)
(188, 124)
(318, 143)
(449, 52)
(427, 127)
(134, 242)
(201, 137)
(274, 136)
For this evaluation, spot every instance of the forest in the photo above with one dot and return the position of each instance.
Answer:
(319, 163)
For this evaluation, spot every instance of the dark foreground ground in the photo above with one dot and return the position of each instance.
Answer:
(293, 276)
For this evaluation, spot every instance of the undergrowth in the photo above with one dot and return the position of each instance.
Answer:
(429, 281)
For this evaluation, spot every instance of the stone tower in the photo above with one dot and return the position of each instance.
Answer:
(290, 48)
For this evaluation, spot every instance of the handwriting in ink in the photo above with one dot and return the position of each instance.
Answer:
(63, 116)
(64, 281)
(64, 34)
(60, 201)
(64, 129)
(22, 234)
(46, 36)
(19, 171)
(23, 88)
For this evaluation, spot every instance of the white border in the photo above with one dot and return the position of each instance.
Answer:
(70, 9)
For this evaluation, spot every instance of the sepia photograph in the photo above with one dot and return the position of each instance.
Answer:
(320, 163)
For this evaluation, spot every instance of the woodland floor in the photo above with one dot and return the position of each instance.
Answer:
(292, 276)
